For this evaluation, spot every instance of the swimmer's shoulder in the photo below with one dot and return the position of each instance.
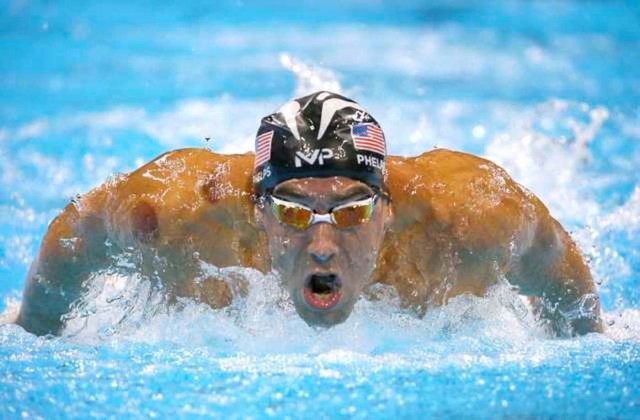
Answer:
(471, 198)
(174, 168)
(188, 175)
(160, 199)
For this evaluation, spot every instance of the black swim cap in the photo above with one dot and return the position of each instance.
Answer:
(321, 135)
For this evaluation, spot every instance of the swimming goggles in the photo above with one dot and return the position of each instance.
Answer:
(343, 216)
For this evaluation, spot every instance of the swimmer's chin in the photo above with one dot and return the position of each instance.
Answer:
(323, 318)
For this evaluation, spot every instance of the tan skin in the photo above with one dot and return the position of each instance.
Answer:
(454, 225)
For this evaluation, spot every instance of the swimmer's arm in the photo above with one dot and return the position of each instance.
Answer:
(553, 273)
(73, 248)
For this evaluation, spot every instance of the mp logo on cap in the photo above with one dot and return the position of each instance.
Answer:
(317, 156)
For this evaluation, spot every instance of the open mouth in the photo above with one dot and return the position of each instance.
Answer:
(322, 290)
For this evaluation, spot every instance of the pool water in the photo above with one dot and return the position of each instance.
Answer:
(549, 90)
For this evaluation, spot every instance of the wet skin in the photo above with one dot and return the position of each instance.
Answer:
(456, 224)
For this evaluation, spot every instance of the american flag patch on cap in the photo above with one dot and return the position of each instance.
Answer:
(368, 137)
(263, 148)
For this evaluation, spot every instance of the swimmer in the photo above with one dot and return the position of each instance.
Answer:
(322, 206)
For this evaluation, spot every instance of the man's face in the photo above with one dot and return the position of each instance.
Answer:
(325, 268)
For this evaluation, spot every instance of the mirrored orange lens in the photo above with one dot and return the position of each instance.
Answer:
(297, 217)
(347, 217)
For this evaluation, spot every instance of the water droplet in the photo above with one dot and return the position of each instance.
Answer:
(478, 131)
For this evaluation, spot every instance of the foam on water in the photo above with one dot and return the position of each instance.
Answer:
(126, 309)
(265, 321)
(262, 326)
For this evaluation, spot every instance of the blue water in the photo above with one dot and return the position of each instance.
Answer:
(549, 90)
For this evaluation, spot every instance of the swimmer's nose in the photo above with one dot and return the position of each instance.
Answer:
(323, 243)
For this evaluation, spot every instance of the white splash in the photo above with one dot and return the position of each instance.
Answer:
(550, 165)
(310, 78)
(126, 308)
